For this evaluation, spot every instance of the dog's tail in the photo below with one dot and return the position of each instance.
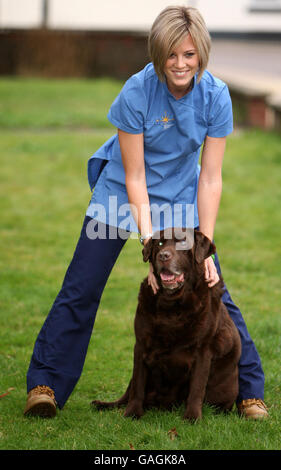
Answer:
(100, 405)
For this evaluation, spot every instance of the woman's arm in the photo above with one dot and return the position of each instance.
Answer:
(132, 152)
(209, 194)
(210, 184)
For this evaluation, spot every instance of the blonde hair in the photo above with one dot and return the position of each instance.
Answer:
(169, 29)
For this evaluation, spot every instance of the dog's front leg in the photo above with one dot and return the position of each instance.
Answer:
(197, 386)
(138, 383)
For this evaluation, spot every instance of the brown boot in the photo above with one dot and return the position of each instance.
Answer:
(41, 402)
(253, 408)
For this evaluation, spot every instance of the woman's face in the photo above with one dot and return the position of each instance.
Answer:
(181, 66)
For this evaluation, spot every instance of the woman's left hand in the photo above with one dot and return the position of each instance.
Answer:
(211, 274)
(152, 280)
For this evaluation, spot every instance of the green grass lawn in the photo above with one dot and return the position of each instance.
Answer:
(48, 130)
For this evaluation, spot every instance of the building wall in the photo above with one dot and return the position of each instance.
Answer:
(240, 15)
(133, 15)
(20, 13)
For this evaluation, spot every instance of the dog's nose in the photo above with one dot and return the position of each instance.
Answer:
(165, 255)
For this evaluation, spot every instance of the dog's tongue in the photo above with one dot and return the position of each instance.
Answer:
(165, 276)
(168, 277)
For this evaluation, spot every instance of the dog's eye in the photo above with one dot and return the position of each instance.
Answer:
(160, 243)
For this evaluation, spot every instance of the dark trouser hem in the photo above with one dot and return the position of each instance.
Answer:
(60, 384)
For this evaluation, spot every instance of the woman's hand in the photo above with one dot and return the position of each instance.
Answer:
(211, 274)
(152, 280)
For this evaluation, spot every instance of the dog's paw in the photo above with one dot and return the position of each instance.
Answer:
(193, 415)
(134, 410)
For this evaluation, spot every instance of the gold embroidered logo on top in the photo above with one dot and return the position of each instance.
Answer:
(166, 121)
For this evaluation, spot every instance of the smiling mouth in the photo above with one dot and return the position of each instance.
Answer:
(180, 74)
(171, 280)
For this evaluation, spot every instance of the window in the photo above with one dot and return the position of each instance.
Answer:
(265, 6)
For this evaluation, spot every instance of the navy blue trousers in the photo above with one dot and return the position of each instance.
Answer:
(61, 346)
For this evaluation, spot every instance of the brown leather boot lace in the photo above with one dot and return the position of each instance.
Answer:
(253, 401)
(44, 389)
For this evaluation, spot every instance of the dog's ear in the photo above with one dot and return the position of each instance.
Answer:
(203, 246)
(147, 250)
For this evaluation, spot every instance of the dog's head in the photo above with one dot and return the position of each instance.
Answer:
(177, 255)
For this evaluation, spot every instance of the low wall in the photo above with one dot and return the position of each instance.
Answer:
(51, 53)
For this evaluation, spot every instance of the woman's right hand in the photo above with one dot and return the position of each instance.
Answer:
(152, 280)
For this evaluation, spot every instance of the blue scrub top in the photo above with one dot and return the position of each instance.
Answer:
(174, 131)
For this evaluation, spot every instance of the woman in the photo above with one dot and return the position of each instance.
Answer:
(163, 115)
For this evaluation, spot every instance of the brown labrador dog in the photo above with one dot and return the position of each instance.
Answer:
(187, 347)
